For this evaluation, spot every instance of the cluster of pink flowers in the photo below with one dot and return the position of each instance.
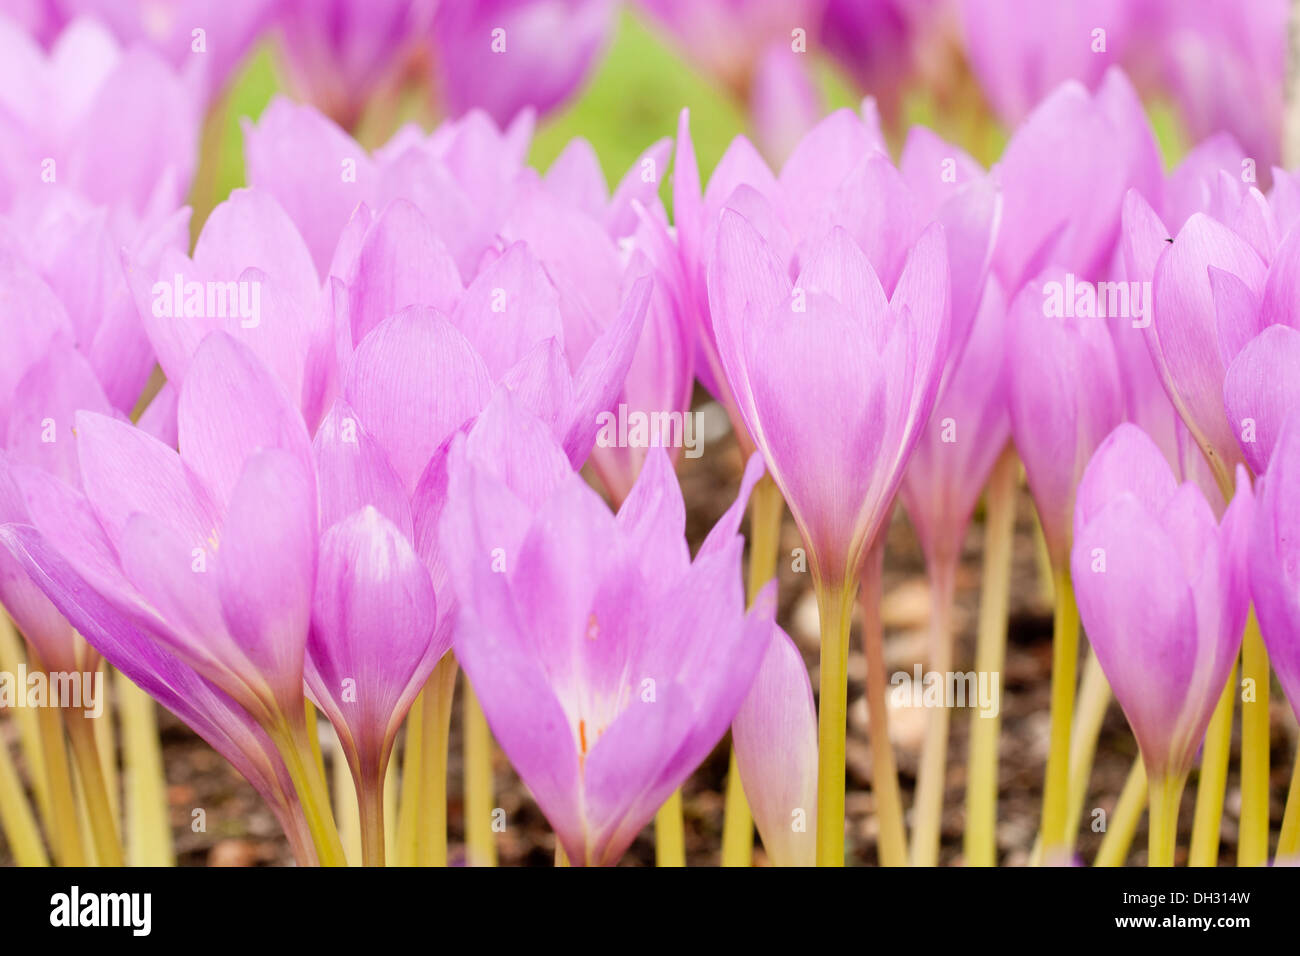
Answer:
(384, 371)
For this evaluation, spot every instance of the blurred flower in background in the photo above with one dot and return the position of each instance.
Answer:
(1207, 57)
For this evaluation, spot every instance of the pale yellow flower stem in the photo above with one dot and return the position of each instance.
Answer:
(1162, 824)
(103, 827)
(291, 739)
(835, 604)
(347, 808)
(670, 832)
(1252, 842)
(409, 805)
(148, 827)
(480, 842)
(29, 732)
(106, 742)
(1065, 660)
(1089, 713)
(65, 834)
(990, 655)
(1204, 850)
(1288, 841)
(884, 772)
(422, 817)
(766, 509)
(16, 817)
(927, 811)
(1123, 823)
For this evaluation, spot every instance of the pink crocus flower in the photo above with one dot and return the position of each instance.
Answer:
(461, 176)
(1020, 50)
(1162, 591)
(501, 56)
(191, 587)
(1065, 398)
(71, 259)
(1260, 391)
(838, 175)
(1209, 179)
(594, 249)
(51, 556)
(1207, 302)
(1208, 56)
(341, 53)
(327, 586)
(969, 427)
(795, 352)
(73, 341)
(394, 293)
(203, 40)
(608, 662)
(883, 44)
(1064, 175)
(118, 126)
(775, 736)
(727, 38)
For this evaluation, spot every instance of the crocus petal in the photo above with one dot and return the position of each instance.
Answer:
(353, 472)
(230, 406)
(160, 417)
(252, 229)
(1281, 300)
(576, 177)
(1144, 632)
(414, 380)
(43, 415)
(542, 382)
(775, 736)
(639, 186)
(125, 471)
(1128, 461)
(600, 377)
(823, 159)
(785, 100)
(796, 380)
(315, 171)
(1237, 313)
(403, 262)
(968, 428)
(654, 517)
(212, 714)
(1184, 331)
(1065, 397)
(508, 308)
(1273, 563)
(34, 318)
(743, 274)
(266, 567)
(879, 210)
(1261, 390)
